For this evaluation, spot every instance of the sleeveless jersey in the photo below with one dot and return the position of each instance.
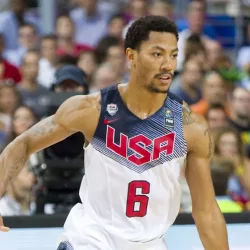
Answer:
(132, 166)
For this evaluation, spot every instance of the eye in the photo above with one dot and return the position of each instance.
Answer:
(156, 54)
(175, 55)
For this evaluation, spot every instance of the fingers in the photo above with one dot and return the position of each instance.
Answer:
(2, 227)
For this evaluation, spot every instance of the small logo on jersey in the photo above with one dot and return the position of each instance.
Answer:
(112, 109)
(169, 118)
(106, 121)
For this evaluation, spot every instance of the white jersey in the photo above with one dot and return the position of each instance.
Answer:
(131, 187)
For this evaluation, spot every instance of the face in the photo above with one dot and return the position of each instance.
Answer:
(153, 64)
(196, 17)
(23, 119)
(27, 37)
(214, 89)
(228, 145)
(8, 99)
(22, 185)
(241, 103)
(64, 28)
(116, 58)
(105, 77)
(30, 66)
(213, 53)
(216, 118)
(192, 74)
(48, 49)
(116, 27)
(138, 8)
(18, 6)
(69, 86)
(87, 63)
(160, 9)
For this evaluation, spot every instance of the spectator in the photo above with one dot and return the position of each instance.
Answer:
(87, 19)
(221, 171)
(195, 49)
(190, 82)
(33, 94)
(137, 9)
(65, 32)
(103, 77)
(27, 39)
(70, 78)
(214, 52)
(228, 144)
(7, 70)
(10, 99)
(196, 21)
(217, 117)
(49, 61)
(12, 20)
(116, 25)
(240, 115)
(23, 118)
(214, 92)
(103, 46)
(18, 197)
(87, 63)
(161, 8)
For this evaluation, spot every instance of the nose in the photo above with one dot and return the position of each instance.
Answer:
(167, 65)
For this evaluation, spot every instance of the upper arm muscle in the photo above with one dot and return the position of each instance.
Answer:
(198, 174)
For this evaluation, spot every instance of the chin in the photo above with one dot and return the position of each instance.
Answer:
(158, 89)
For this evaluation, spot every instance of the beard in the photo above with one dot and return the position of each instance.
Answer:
(153, 89)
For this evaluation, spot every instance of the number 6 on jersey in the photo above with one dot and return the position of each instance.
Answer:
(137, 204)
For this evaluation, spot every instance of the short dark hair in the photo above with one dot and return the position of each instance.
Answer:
(214, 106)
(49, 37)
(140, 29)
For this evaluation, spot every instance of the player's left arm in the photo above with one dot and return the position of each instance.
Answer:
(205, 211)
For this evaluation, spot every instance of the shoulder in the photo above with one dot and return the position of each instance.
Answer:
(197, 132)
(81, 103)
(79, 112)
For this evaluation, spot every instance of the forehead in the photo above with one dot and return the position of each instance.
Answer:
(165, 40)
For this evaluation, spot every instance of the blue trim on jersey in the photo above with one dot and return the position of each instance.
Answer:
(123, 123)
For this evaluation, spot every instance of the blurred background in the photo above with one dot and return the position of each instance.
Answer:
(53, 49)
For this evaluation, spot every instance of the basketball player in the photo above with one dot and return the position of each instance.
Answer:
(139, 137)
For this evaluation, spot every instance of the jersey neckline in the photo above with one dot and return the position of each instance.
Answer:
(134, 115)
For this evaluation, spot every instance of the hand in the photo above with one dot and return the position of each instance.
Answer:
(2, 227)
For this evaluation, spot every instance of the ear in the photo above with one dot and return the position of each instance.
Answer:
(131, 56)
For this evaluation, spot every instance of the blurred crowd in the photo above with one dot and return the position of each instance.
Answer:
(85, 54)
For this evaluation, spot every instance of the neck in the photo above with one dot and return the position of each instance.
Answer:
(242, 121)
(29, 84)
(140, 101)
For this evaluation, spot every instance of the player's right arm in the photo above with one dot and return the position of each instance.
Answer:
(79, 113)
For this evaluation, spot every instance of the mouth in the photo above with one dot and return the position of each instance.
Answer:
(166, 78)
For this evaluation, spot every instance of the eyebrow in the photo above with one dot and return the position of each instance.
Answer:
(160, 48)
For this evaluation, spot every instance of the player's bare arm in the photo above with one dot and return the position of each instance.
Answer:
(78, 113)
(206, 213)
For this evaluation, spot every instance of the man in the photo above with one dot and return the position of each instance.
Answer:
(49, 60)
(33, 94)
(216, 117)
(11, 20)
(70, 78)
(240, 115)
(189, 83)
(214, 92)
(8, 71)
(138, 138)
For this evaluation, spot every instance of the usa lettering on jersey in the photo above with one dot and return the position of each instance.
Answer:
(138, 144)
